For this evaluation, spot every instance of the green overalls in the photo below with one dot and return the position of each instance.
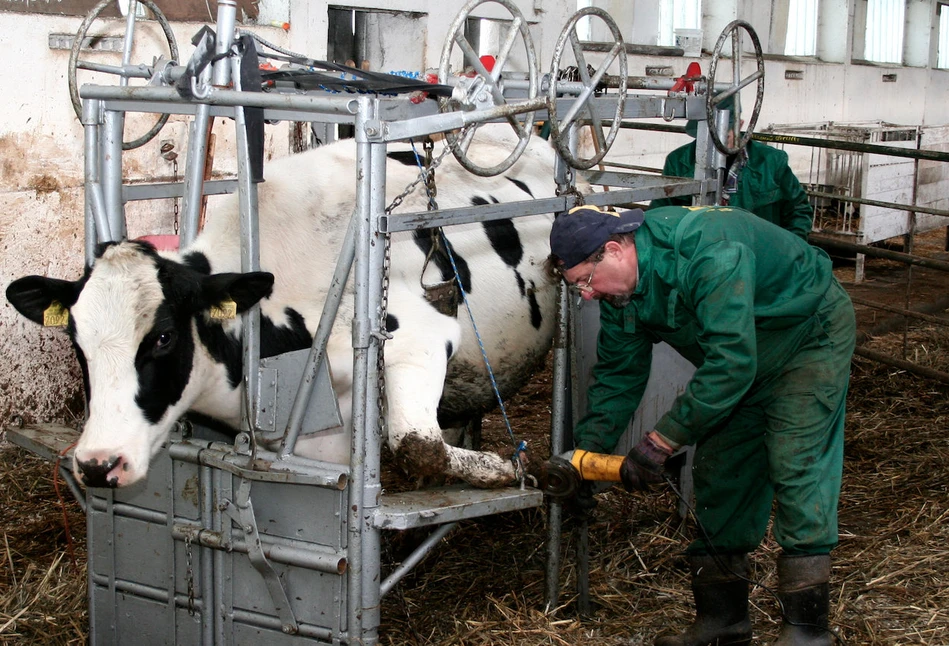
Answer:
(771, 332)
(767, 187)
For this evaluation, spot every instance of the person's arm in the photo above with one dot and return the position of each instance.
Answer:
(797, 214)
(719, 286)
(619, 380)
(679, 163)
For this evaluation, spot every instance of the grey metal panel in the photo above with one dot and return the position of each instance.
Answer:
(280, 378)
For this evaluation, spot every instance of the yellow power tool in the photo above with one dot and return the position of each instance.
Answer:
(565, 472)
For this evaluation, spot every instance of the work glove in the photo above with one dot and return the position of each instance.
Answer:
(644, 464)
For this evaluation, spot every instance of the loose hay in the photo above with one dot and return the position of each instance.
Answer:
(485, 583)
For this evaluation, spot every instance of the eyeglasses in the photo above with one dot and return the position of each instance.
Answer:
(584, 286)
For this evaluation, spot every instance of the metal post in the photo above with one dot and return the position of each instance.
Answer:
(372, 490)
(363, 356)
(111, 178)
(96, 224)
(220, 76)
(560, 384)
(250, 261)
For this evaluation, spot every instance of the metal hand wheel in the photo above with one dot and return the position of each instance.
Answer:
(484, 88)
(733, 29)
(560, 129)
(75, 63)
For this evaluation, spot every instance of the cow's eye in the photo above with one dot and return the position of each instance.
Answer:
(164, 341)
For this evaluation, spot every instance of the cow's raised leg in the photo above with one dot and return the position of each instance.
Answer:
(416, 360)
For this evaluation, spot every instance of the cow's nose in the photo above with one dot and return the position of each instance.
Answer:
(96, 472)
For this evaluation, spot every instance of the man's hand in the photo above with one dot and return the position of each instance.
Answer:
(644, 463)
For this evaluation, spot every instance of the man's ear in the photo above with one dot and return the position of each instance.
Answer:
(245, 290)
(32, 296)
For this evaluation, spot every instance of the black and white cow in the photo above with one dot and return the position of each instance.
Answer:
(149, 351)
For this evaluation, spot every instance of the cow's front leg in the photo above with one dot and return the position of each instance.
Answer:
(415, 376)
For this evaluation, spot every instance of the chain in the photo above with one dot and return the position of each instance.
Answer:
(429, 178)
(191, 610)
(174, 170)
(422, 177)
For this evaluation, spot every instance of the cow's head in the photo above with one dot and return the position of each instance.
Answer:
(133, 320)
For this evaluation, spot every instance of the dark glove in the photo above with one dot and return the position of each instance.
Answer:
(644, 464)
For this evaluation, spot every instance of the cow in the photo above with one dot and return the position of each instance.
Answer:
(150, 351)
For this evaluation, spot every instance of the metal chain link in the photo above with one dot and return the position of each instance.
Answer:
(191, 609)
(174, 170)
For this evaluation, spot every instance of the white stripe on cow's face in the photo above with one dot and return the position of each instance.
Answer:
(112, 316)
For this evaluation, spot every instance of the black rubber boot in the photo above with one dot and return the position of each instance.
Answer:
(721, 603)
(805, 593)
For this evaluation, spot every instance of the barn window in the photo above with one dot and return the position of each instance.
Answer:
(885, 26)
(942, 51)
(678, 14)
(801, 39)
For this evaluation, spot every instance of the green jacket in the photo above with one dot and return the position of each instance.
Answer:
(767, 187)
(711, 286)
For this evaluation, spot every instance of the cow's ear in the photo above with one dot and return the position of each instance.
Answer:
(32, 296)
(243, 289)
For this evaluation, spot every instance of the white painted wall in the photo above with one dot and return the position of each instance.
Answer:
(41, 140)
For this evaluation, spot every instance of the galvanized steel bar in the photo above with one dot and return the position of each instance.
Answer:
(877, 149)
(140, 590)
(189, 213)
(334, 296)
(266, 621)
(96, 224)
(275, 548)
(913, 208)
(372, 489)
(206, 554)
(358, 520)
(250, 241)
(415, 557)
(111, 173)
(293, 469)
(218, 97)
(560, 384)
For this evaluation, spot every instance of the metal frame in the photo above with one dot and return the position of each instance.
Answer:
(224, 469)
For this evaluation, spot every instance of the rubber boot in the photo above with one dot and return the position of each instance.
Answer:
(721, 603)
(804, 591)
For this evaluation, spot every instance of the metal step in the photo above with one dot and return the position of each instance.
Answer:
(49, 441)
(399, 511)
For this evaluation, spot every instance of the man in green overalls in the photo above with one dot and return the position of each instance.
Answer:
(771, 332)
(757, 178)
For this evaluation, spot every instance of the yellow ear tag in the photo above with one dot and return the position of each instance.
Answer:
(55, 315)
(224, 310)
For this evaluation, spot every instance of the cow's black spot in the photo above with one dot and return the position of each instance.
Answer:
(274, 339)
(521, 185)
(223, 348)
(277, 339)
(521, 287)
(197, 261)
(505, 241)
(423, 240)
(392, 323)
(449, 349)
(165, 357)
(537, 316)
(407, 157)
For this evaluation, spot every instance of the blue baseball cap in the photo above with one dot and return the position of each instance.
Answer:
(577, 234)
